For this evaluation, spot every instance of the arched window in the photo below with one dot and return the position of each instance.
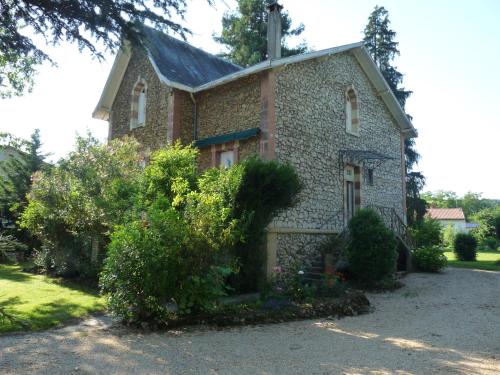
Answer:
(138, 108)
(351, 111)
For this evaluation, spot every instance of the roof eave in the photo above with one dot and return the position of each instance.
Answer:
(103, 108)
(385, 92)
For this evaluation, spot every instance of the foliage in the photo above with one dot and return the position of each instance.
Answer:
(465, 247)
(88, 23)
(267, 187)
(489, 223)
(491, 243)
(449, 236)
(371, 251)
(176, 248)
(379, 40)
(74, 205)
(292, 287)
(39, 302)
(429, 258)
(427, 233)
(16, 174)
(244, 33)
(471, 203)
(170, 170)
(9, 244)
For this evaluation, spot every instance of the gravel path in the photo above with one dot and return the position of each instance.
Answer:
(436, 324)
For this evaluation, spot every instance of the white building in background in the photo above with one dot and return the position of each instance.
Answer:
(449, 216)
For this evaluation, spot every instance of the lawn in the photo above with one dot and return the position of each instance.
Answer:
(486, 260)
(41, 301)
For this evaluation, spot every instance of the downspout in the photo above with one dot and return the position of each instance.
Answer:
(195, 117)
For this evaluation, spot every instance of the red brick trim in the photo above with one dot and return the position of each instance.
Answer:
(174, 116)
(267, 115)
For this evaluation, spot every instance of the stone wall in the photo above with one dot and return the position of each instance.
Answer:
(310, 131)
(228, 108)
(153, 134)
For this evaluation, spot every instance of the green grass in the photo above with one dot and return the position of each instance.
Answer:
(42, 302)
(486, 260)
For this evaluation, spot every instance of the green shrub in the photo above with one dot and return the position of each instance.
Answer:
(371, 251)
(8, 245)
(267, 187)
(429, 259)
(176, 250)
(427, 233)
(490, 243)
(449, 236)
(465, 247)
(79, 200)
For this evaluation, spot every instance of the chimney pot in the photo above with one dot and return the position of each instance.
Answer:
(274, 31)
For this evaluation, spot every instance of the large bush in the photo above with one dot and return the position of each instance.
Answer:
(429, 259)
(267, 187)
(371, 251)
(190, 232)
(427, 233)
(73, 206)
(465, 247)
(489, 223)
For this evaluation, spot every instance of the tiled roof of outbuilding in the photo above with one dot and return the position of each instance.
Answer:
(446, 213)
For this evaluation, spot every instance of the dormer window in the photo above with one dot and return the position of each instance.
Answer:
(351, 111)
(138, 110)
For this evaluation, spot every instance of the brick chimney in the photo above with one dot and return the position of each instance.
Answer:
(274, 31)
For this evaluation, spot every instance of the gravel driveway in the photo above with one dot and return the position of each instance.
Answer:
(445, 324)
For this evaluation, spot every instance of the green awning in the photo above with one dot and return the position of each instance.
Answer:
(229, 137)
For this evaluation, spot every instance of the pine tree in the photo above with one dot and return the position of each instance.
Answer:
(90, 24)
(16, 173)
(244, 33)
(380, 42)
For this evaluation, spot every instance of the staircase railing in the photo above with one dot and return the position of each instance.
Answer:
(396, 224)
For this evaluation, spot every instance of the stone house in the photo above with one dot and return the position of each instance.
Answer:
(330, 113)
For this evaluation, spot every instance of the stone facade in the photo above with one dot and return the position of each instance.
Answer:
(301, 111)
(226, 109)
(153, 134)
(310, 131)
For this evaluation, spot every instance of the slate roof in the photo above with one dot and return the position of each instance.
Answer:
(183, 63)
(446, 213)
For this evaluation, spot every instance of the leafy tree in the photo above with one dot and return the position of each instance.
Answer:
(25, 159)
(380, 42)
(471, 202)
(73, 206)
(85, 22)
(244, 33)
(489, 223)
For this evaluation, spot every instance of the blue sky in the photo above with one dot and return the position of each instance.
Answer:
(450, 53)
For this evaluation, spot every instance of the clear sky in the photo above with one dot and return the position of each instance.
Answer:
(450, 55)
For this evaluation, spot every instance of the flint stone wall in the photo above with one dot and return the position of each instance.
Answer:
(310, 131)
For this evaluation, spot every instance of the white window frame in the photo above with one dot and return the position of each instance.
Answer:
(141, 108)
(224, 156)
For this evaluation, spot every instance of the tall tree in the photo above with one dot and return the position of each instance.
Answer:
(244, 33)
(85, 22)
(23, 160)
(380, 42)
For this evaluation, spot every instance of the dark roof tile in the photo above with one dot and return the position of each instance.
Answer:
(182, 63)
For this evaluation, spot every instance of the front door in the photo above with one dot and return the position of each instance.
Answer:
(351, 192)
(349, 200)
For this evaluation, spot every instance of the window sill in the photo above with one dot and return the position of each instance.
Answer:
(352, 133)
